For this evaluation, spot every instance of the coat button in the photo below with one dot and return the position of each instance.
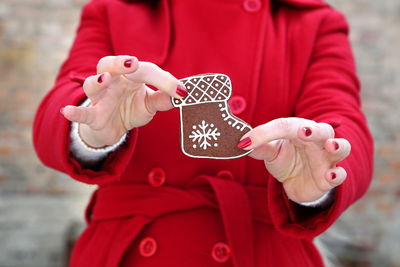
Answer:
(148, 247)
(156, 177)
(221, 252)
(237, 104)
(252, 5)
(225, 174)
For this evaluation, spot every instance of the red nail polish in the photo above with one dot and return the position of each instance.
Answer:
(128, 63)
(100, 78)
(336, 145)
(307, 131)
(334, 124)
(62, 111)
(333, 176)
(181, 91)
(244, 143)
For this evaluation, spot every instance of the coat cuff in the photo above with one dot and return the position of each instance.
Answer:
(299, 221)
(84, 153)
(108, 170)
(322, 202)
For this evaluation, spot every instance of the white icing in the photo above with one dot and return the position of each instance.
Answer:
(205, 136)
(217, 89)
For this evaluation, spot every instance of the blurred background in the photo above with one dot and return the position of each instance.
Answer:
(41, 210)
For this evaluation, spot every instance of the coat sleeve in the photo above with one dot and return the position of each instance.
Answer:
(51, 130)
(329, 93)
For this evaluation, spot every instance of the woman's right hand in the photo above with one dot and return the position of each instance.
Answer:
(120, 99)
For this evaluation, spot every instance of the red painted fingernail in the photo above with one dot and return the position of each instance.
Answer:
(336, 145)
(307, 131)
(334, 124)
(181, 91)
(244, 143)
(62, 111)
(128, 63)
(100, 78)
(333, 176)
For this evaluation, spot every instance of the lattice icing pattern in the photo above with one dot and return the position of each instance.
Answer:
(205, 88)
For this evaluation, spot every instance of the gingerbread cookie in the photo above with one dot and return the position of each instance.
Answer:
(208, 128)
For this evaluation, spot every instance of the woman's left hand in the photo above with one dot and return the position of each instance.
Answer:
(300, 153)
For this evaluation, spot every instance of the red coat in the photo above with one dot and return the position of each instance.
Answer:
(289, 58)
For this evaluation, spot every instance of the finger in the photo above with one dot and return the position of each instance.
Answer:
(117, 65)
(335, 177)
(150, 73)
(338, 148)
(79, 114)
(283, 128)
(95, 85)
(317, 133)
(158, 101)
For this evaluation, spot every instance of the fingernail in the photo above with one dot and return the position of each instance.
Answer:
(181, 91)
(307, 131)
(333, 176)
(100, 78)
(334, 124)
(62, 111)
(336, 145)
(128, 63)
(244, 143)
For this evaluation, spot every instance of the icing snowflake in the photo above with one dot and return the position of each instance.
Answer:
(204, 134)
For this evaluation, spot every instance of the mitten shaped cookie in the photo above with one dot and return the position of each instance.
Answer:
(208, 128)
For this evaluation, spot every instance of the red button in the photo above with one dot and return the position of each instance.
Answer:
(237, 104)
(221, 252)
(148, 247)
(156, 177)
(252, 5)
(225, 174)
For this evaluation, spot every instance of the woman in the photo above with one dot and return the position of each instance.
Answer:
(293, 75)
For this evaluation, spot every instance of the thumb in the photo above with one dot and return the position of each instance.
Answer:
(78, 114)
(158, 101)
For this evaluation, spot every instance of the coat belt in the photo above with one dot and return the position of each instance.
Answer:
(239, 205)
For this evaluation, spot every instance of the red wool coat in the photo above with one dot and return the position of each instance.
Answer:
(157, 207)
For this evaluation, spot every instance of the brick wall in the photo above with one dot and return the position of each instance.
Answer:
(38, 205)
(369, 232)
